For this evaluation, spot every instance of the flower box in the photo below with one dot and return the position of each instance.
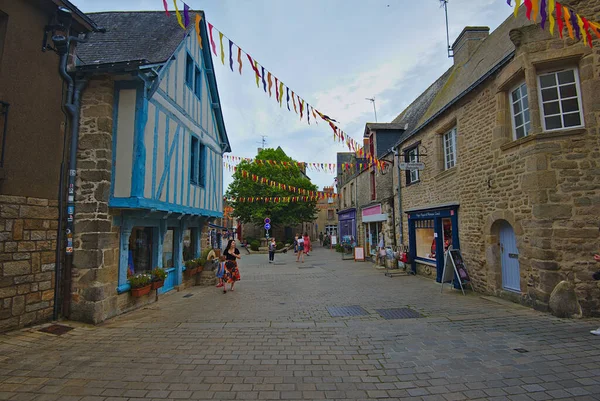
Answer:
(191, 272)
(157, 284)
(138, 292)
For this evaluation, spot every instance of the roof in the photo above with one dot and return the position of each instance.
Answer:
(382, 126)
(139, 35)
(144, 38)
(82, 21)
(493, 53)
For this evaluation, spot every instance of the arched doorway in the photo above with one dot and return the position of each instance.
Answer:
(509, 258)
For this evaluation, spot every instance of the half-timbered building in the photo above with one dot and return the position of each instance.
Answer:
(149, 172)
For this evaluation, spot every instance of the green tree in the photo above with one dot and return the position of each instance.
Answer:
(282, 213)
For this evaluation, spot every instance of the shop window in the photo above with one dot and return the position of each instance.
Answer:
(450, 149)
(189, 244)
(168, 247)
(189, 72)
(447, 224)
(519, 110)
(425, 239)
(412, 156)
(560, 100)
(140, 250)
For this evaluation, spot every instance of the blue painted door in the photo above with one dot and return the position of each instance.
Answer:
(509, 257)
(170, 281)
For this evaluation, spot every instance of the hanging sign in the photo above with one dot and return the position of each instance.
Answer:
(412, 166)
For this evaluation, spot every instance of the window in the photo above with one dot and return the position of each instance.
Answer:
(168, 249)
(189, 71)
(330, 214)
(194, 161)
(561, 103)
(189, 243)
(412, 156)
(425, 239)
(520, 111)
(3, 24)
(197, 82)
(450, 149)
(344, 198)
(140, 250)
(197, 167)
(373, 191)
(351, 194)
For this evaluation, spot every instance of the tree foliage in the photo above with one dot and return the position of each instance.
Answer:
(282, 213)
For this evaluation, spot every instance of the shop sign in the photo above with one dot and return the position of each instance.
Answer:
(412, 166)
(425, 215)
(347, 216)
(371, 210)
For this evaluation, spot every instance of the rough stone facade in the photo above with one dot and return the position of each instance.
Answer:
(545, 185)
(28, 228)
(94, 296)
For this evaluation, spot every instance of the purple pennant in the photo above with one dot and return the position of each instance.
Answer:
(186, 15)
(508, 2)
(575, 24)
(230, 55)
(287, 91)
(263, 79)
(543, 12)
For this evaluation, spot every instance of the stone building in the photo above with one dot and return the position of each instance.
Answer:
(366, 210)
(149, 168)
(33, 131)
(327, 221)
(510, 140)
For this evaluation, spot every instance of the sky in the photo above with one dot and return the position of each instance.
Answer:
(332, 53)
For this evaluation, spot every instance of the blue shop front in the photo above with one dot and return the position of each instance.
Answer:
(347, 225)
(431, 230)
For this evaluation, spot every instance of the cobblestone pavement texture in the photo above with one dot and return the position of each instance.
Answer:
(273, 338)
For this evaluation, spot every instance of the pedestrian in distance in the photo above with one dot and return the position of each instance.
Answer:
(272, 248)
(300, 249)
(321, 238)
(221, 271)
(596, 276)
(232, 273)
(296, 244)
(307, 244)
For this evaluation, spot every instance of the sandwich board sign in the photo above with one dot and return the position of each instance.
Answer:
(454, 266)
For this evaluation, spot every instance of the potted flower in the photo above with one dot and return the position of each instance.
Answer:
(140, 284)
(158, 277)
(201, 261)
(191, 268)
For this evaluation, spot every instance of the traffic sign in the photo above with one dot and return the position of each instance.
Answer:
(267, 220)
(267, 226)
(412, 166)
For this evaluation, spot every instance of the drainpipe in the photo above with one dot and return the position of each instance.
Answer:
(397, 154)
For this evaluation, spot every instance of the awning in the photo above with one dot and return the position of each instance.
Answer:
(375, 218)
(217, 226)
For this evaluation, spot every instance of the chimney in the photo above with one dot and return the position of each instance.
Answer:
(467, 42)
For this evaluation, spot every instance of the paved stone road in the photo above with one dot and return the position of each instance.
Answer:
(274, 338)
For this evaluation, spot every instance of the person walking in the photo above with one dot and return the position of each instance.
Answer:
(232, 273)
(272, 248)
(321, 238)
(300, 249)
(296, 244)
(307, 244)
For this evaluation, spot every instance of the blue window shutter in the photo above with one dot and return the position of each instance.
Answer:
(194, 160)
(202, 165)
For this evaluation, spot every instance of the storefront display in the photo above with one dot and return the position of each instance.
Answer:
(140, 250)
(373, 219)
(431, 231)
(347, 223)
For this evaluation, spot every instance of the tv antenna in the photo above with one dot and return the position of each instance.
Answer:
(444, 3)
(263, 142)
(372, 100)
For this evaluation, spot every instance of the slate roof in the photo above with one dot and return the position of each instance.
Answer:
(459, 80)
(140, 35)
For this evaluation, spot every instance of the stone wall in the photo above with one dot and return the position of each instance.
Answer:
(546, 185)
(28, 232)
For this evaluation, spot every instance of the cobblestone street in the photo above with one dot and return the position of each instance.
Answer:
(275, 338)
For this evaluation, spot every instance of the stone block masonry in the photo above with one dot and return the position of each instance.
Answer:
(28, 232)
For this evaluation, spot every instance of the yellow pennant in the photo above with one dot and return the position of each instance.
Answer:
(198, 19)
(517, 5)
(178, 14)
(551, 6)
(582, 29)
(256, 72)
(280, 93)
(222, 50)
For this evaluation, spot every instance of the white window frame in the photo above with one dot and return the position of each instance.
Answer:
(413, 157)
(577, 89)
(452, 132)
(512, 110)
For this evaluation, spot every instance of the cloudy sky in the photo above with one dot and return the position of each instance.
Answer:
(333, 54)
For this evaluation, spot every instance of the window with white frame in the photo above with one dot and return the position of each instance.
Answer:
(450, 149)
(412, 156)
(520, 111)
(560, 100)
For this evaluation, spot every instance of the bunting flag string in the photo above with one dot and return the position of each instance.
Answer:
(285, 187)
(274, 199)
(305, 108)
(230, 162)
(552, 11)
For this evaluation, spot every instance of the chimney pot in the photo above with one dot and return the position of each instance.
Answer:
(467, 42)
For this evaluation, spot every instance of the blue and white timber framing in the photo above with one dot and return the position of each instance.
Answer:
(157, 179)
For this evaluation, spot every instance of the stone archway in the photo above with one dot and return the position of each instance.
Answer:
(491, 231)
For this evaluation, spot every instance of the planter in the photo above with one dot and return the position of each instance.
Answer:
(191, 272)
(157, 284)
(138, 292)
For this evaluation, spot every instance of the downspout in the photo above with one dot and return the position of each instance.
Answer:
(397, 154)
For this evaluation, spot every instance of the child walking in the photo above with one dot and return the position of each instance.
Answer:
(221, 271)
(272, 248)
